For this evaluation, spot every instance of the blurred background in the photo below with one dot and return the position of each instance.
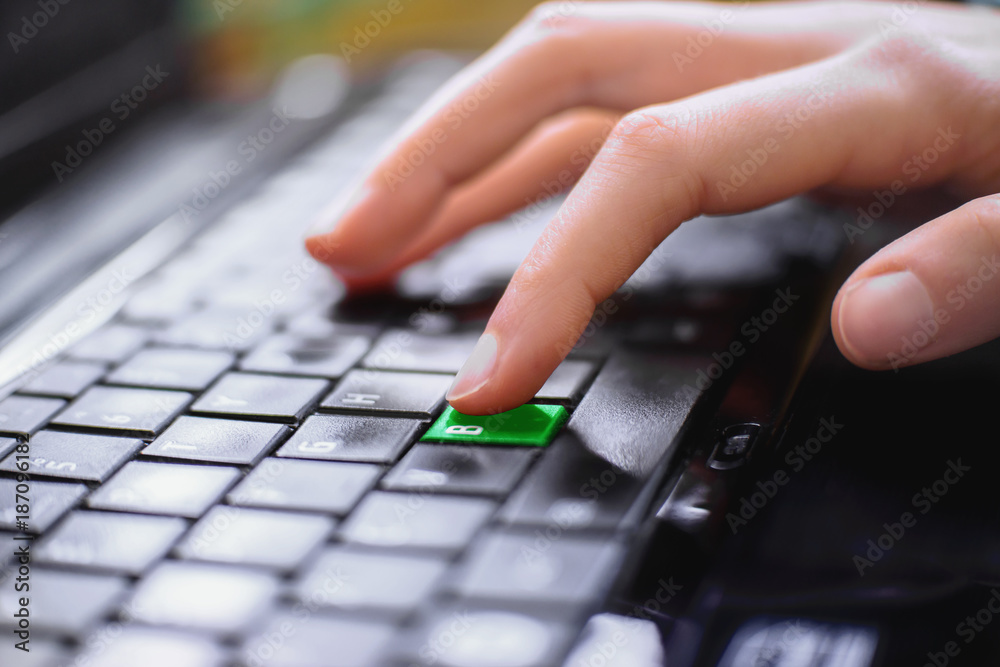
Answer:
(239, 46)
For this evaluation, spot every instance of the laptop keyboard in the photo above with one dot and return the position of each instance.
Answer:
(241, 470)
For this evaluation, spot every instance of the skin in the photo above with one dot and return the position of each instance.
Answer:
(843, 95)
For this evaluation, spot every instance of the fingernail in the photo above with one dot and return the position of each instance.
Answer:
(879, 316)
(477, 368)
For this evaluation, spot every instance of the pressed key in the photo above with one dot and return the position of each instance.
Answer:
(164, 488)
(305, 485)
(74, 455)
(266, 397)
(321, 642)
(566, 382)
(200, 596)
(149, 647)
(65, 379)
(23, 415)
(64, 602)
(142, 412)
(351, 438)
(110, 541)
(163, 368)
(530, 425)
(459, 469)
(217, 440)
(254, 537)
(412, 520)
(418, 394)
(47, 502)
(347, 579)
(511, 568)
(113, 343)
(404, 350)
(324, 357)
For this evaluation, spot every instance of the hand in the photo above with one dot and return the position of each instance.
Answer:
(858, 97)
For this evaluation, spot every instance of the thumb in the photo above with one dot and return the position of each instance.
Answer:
(931, 293)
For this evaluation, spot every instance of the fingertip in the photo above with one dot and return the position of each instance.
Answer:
(874, 317)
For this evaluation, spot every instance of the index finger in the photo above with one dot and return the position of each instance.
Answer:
(612, 55)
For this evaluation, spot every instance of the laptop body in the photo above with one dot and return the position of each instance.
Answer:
(233, 463)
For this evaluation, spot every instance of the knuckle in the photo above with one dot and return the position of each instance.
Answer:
(647, 134)
(913, 52)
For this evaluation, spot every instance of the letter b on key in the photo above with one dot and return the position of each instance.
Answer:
(462, 429)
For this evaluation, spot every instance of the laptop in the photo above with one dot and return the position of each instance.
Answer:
(210, 455)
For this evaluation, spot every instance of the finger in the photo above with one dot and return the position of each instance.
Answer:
(932, 293)
(546, 162)
(612, 55)
(728, 150)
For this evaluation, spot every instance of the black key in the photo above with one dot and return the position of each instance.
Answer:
(23, 415)
(573, 488)
(456, 469)
(322, 642)
(47, 502)
(351, 438)
(113, 344)
(164, 488)
(592, 475)
(217, 440)
(73, 455)
(305, 485)
(110, 541)
(254, 537)
(460, 637)
(379, 391)
(65, 602)
(200, 596)
(566, 382)
(65, 379)
(217, 329)
(142, 412)
(346, 579)
(324, 357)
(411, 520)
(520, 569)
(149, 647)
(191, 370)
(7, 445)
(261, 396)
(404, 350)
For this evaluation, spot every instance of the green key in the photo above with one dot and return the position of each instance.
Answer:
(530, 425)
